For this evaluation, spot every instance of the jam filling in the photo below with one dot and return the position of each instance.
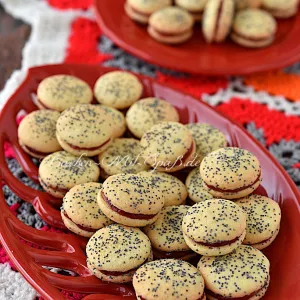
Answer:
(170, 34)
(253, 39)
(139, 12)
(201, 298)
(218, 19)
(124, 213)
(219, 297)
(175, 254)
(88, 149)
(42, 104)
(79, 226)
(62, 190)
(116, 273)
(36, 152)
(218, 244)
(234, 190)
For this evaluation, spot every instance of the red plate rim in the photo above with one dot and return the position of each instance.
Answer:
(8, 244)
(284, 58)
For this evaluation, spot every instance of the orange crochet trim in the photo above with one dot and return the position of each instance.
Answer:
(276, 83)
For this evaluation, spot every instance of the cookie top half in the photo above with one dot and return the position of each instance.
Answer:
(118, 89)
(263, 218)
(214, 221)
(207, 138)
(64, 170)
(59, 92)
(37, 131)
(171, 20)
(168, 279)
(133, 194)
(230, 169)
(238, 274)
(85, 126)
(118, 248)
(147, 112)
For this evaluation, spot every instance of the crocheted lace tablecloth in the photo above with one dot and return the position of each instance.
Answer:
(267, 104)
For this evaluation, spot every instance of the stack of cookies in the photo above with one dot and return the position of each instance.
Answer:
(250, 23)
(168, 206)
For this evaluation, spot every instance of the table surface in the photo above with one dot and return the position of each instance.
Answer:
(13, 35)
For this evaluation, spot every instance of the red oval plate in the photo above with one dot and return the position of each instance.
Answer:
(196, 56)
(67, 250)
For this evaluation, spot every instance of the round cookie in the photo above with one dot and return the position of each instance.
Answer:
(171, 25)
(194, 7)
(168, 146)
(263, 220)
(141, 10)
(243, 4)
(168, 279)
(118, 89)
(214, 227)
(217, 20)
(253, 28)
(60, 171)
(116, 251)
(80, 211)
(36, 133)
(194, 185)
(281, 9)
(166, 234)
(207, 138)
(122, 156)
(130, 199)
(59, 92)
(85, 130)
(147, 112)
(242, 274)
(230, 173)
(173, 189)
(118, 120)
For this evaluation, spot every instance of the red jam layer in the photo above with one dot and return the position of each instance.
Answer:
(218, 244)
(116, 273)
(61, 190)
(234, 190)
(166, 34)
(218, 19)
(253, 39)
(36, 152)
(79, 226)
(124, 213)
(88, 149)
(201, 298)
(138, 12)
(42, 104)
(175, 254)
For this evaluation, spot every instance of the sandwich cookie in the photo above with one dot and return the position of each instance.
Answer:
(207, 138)
(80, 211)
(253, 28)
(122, 156)
(230, 173)
(281, 9)
(116, 251)
(243, 4)
(173, 189)
(194, 7)
(263, 220)
(168, 279)
(168, 146)
(141, 10)
(59, 92)
(242, 274)
(118, 120)
(194, 185)
(166, 234)
(171, 25)
(214, 227)
(60, 171)
(118, 89)
(147, 112)
(130, 199)
(85, 130)
(217, 20)
(36, 133)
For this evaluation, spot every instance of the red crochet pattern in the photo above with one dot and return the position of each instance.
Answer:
(69, 4)
(194, 85)
(83, 43)
(276, 125)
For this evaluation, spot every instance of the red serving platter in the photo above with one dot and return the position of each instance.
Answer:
(67, 251)
(196, 56)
